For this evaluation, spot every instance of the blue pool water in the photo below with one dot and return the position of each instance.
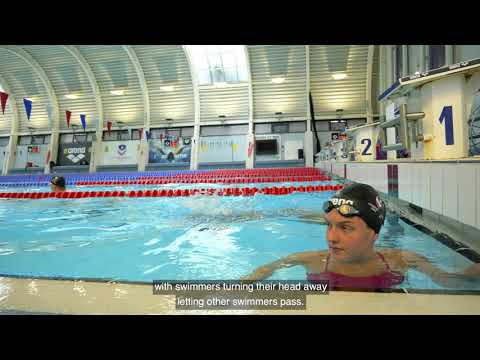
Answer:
(201, 237)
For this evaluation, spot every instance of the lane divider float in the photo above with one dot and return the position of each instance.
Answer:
(283, 190)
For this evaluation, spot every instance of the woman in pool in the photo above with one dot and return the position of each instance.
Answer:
(354, 217)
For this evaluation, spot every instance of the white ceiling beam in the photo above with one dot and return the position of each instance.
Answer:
(73, 51)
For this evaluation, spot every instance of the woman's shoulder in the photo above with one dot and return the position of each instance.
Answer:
(309, 256)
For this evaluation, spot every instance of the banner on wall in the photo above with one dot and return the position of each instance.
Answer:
(120, 152)
(170, 149)
(222, 148)
(75, 153)
(34, 149)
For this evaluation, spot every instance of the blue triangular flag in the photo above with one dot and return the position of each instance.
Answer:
(84, 122)
(28, 107)
(148, 135)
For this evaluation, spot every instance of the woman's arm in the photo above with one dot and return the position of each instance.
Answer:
(267, 270)
(422, 264)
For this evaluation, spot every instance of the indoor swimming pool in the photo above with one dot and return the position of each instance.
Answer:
(200, 237)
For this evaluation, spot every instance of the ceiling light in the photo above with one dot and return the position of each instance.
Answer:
(167, 88)
(71, 96)
(339, 76)
(278, 80)
(117, 92)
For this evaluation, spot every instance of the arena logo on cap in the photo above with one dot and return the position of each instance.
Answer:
(339, 201)
(122, 149)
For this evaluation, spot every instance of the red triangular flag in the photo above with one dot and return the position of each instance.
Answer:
(69, 113)
(109, 127)
(140, 131)
(3, 98)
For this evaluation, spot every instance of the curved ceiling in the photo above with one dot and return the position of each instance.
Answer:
(102, 81)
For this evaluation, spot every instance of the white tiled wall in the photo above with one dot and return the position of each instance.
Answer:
(405, 182)
(436, 189)
(449, 189)
(468, 194)
(338, 169)
(477, 202)
(375, 175)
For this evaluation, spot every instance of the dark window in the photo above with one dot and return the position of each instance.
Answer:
(25, 140)
(79, 138)
(280, 128)
(38, 139)
(398, 61)
(124, 135)
(135, 134)
(436, 56)
(266, 147)
(4, 141)
(338, 125)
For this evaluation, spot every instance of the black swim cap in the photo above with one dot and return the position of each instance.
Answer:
(58, 180)
(367, 201)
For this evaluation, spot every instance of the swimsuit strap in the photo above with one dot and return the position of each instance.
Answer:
(384, 261)
(326, 265)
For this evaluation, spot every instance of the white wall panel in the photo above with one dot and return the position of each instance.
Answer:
(404, 182)
(477, 202)
(436, 189)
(467, 194)
(450, 190)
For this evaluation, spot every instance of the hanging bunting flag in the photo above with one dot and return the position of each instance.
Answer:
(84, 121)
(50, 114)
(140, 133)
(161, 137)
(68, 114)
(109, 127)
(130, 133)
(3, 99)
(28, 107)
(148, 135)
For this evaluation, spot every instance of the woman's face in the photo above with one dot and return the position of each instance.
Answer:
(349, 238)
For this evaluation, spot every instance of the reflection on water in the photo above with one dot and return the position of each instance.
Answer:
(391, 232)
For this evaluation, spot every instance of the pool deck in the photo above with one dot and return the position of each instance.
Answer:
(31, 296)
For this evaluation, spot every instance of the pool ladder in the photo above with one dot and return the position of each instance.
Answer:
(402, 120)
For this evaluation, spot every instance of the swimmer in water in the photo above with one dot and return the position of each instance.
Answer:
(354, 217)
(57, 184)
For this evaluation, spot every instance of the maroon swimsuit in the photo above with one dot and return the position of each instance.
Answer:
(385, 280)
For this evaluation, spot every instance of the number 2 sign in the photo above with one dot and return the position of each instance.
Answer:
(369, 143)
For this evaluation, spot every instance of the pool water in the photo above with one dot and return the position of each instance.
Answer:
(184, 238)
